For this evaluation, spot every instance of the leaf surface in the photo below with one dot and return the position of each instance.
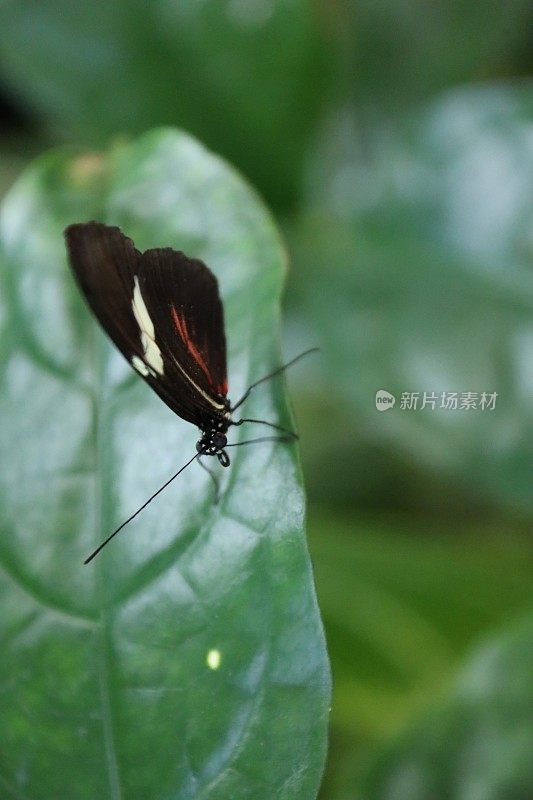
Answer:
(188, 660)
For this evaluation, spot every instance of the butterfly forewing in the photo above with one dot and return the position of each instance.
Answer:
(105, 262)
(164, 313)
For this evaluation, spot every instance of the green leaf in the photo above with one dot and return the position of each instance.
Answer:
(400, 52)
(478, 742)
(416, 252)
(403, 602)
(248, 78)
(188, 660)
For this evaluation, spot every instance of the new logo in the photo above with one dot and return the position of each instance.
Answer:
(384, 400)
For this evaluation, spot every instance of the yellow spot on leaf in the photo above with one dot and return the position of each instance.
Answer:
(213, 659)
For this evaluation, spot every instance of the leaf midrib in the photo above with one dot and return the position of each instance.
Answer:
(97, 347)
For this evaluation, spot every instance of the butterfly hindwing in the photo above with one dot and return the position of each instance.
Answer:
(182, 297)
(162, 310)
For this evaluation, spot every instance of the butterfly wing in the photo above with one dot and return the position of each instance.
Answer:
(162, 310)
(182, 298)
(105, 262)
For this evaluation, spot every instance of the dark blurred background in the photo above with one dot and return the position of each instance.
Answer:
(393, 141)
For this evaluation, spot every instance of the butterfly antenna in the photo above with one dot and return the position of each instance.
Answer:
(101, 546)
(273, 375)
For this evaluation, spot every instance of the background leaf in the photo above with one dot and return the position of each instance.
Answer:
(398, 53)
(109, 687)
(404, 604)
(478, 742)
(418, 276)
(127, 66)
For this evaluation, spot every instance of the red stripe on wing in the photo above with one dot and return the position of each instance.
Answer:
(181, 326)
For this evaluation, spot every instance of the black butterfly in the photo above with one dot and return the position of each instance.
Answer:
(163, 311)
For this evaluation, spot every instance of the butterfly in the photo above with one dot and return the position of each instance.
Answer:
(163, 311)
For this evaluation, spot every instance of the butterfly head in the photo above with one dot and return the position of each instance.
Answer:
(212, 443)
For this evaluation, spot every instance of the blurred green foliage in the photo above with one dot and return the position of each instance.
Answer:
(428, 230)
(393, 141)
(479, 740)
(98, 69)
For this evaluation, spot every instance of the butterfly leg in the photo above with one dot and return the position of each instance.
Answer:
(290, 434)
(283, 439)
(214, 478)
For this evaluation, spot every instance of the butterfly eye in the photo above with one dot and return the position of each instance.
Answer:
(219, 441)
